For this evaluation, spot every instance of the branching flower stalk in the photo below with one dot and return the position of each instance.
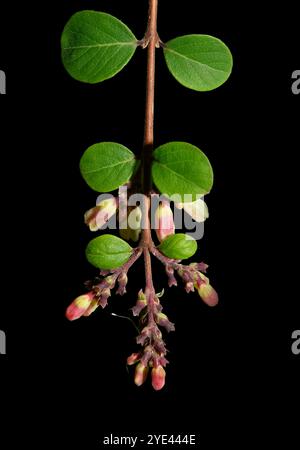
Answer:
(82, 57)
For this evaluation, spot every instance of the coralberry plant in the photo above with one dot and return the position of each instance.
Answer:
(95, 47)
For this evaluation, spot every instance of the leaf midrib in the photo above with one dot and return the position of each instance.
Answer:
(194, 60)
(179, 175)
(113, 44)
(107, 167)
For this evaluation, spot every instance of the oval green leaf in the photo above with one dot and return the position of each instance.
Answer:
(198, 61)
(107, 165)
(180, 168)
(178, 246)
(108, 252)
(96, 46)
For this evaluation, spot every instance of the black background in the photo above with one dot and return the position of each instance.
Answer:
(232, 376)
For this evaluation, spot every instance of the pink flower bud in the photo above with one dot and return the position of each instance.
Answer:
(208, 294)
(158, 376)
(141, 373)
(79, 306)
(96, 217)
(164, 221)
(133, 358)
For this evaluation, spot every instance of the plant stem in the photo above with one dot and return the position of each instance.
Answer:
(152, 38)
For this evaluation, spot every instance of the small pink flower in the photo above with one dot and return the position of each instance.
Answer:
(96, 217)
(79, 306)
(141, 373)
(158, 376)
(164, 221)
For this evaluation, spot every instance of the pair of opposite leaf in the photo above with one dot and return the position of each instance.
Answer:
(95, 47)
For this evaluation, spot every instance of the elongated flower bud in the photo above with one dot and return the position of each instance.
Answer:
(164, 221)
(79, 306)
(208, 294)
(141, 373)
(96, 217)
(158, 375)
(205, 290)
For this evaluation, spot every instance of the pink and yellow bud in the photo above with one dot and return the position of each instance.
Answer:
(141, 373)
(164, 221)
(79, 306)
(96, 217)
(208, 294)
(158, 375)
(133, 358)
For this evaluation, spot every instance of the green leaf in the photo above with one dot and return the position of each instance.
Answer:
(181, 168)
(96, 46)
(198, 61)
(108, 252)
(178, 246)
(107, 165)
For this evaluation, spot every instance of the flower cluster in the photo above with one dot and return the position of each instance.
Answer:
(148, 308)
(85, 305)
